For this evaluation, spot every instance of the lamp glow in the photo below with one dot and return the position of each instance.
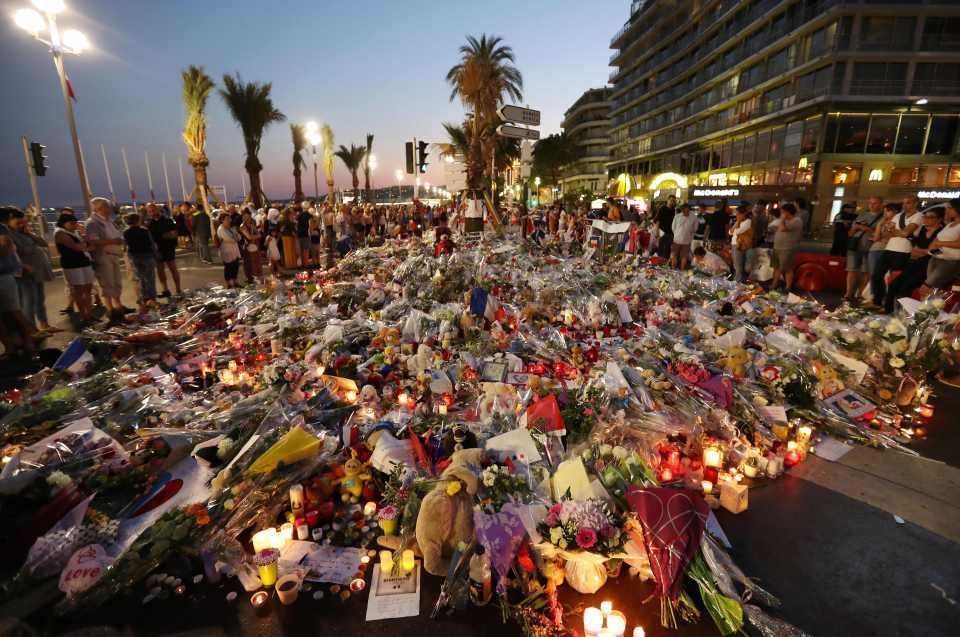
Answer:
(29, 20)
(921, 101)
(49, 6)
(312, 126)
(75, 40)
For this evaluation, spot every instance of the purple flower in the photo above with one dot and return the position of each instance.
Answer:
(586, 537)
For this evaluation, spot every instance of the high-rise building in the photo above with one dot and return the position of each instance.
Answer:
(587, 125)
(829, 100)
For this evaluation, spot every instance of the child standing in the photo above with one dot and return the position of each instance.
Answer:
(273, 250)
(141, 254)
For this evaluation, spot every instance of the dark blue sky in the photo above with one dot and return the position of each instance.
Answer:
(362, 66)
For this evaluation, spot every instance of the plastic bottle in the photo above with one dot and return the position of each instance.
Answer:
(481, 578)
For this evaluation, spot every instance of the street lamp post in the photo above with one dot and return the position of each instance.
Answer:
(371, 166)
(71, 41)
(313, 137)
(399, 175)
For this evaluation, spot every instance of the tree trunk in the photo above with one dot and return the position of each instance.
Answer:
(297, 185)
(356, 186)
(200, 187)
(366, 184)
(330, 199)
(256, 191)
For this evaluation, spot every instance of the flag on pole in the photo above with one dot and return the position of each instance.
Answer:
(70, 92)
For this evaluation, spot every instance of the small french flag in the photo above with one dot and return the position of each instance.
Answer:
(74, 357)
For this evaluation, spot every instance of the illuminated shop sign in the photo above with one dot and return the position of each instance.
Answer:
(938, 194)
(716, 192)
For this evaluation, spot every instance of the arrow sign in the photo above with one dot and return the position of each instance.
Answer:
(506, 130)
(519, 115)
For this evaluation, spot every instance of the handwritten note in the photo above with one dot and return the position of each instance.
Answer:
(392, 596)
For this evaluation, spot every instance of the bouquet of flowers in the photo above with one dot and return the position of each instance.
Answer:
(589, 525)
(282, 371)
(501, 485)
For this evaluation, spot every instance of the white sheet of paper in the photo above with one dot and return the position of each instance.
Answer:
(515, 442)
(332, 564)
(390, 452)
(774, 413)
(747, 307)
(624, 311)
(572, 475)
(832, 449)
(385, 603)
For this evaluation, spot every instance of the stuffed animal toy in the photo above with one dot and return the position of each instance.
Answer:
(735, 362)
(828, 378)
(497, 398)
(421, 361)
(446, 513)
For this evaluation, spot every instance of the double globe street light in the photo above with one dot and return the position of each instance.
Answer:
(313, 138)
(35, 22)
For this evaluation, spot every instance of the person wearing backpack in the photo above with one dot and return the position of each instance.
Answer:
(896, 254)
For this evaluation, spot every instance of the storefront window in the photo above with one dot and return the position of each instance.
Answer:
(953, 176)
(804, 176)
(913, 128)
(846, 175)
(904, 176)
(786, 176)
(725, 155)
(943, 134)
(852, 133)
(771, 176)
(756, 178)
(932, 175)
(883, 132)
(736, 157)
(793, 140)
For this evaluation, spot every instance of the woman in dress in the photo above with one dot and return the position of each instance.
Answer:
(251, 251)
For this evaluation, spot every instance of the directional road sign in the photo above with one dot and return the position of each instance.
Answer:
(507, 130)
(518, 115)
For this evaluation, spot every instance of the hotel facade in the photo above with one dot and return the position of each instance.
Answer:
(829, 100)
(587, 124)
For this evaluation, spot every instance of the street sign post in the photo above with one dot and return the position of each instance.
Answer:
(519, 115)
(508, 130)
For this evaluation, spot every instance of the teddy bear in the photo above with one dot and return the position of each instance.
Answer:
(446, 513)
(828, 378)
(421, 361)
(735, 361)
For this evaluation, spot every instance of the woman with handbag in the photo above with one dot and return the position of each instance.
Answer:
(741, 242)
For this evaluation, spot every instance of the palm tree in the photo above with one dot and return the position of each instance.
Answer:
(366, 166)
(253, 110)
(352, 158)
(459, 143)
(299, 134)
(196, 90)
(483, 79)
(326, 135)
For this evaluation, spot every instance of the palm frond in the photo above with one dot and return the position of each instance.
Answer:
(298, 134)
(252, 108)
(197, 86)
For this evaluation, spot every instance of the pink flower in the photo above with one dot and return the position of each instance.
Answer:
(588, 411)
(556, 508)
(552, 520)
(608, 531)
(586, 537)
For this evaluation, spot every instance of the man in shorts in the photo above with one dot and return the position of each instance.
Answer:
(785, 242)
(164, 232)
(860, 239)
(102, 234)
(684, 227)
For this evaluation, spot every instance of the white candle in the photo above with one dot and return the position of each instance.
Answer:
(707, 487)
(275, 346)
(606, 607)
(592, 621)
(616, 623)
(442, 409)
(639, 632)
(369, 508)
(296, 498)
(264, 539)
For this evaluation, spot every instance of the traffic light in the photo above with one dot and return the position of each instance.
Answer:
(422, 156)
(409, 150)
(38, 159)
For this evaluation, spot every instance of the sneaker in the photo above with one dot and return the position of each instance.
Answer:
(166, 294)
(127, 310)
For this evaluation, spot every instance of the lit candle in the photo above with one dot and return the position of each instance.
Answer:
(275, 346)
(369, 509)
(925, 411)
(285, 534)
(639, 632)
(616, 623)
(712, 457)
(351, 396)
(592, 621)
(232, 366)
(606, 607)
(792, 445)
(666, 475)
(386, 562)
(407, 561)
(804, 434)
(707, 487)
(296, 498)
(403, 399)
(442, 409)
(264, 539)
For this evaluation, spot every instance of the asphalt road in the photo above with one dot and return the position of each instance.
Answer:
(866, 545)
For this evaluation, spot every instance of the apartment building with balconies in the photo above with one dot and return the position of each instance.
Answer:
(831, 100)
(587, 124)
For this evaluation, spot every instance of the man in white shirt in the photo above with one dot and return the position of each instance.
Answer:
(896, 254)
(684, 226)
(944, 267)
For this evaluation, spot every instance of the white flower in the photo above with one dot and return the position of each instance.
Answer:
(58, 480)
(895, 327)
(898, 346)
(677, 294)
(620, 452)
(489, 478)
(760, 401)
(896, 362)
(874, 324)
(605, 450)
(956, 344)
(224, 447)
(938, 303)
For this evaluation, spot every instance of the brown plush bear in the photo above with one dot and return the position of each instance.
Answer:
(446, 513)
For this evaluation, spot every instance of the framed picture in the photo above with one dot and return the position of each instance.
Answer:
(493, 372)
(850, 404)
(515, 378)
